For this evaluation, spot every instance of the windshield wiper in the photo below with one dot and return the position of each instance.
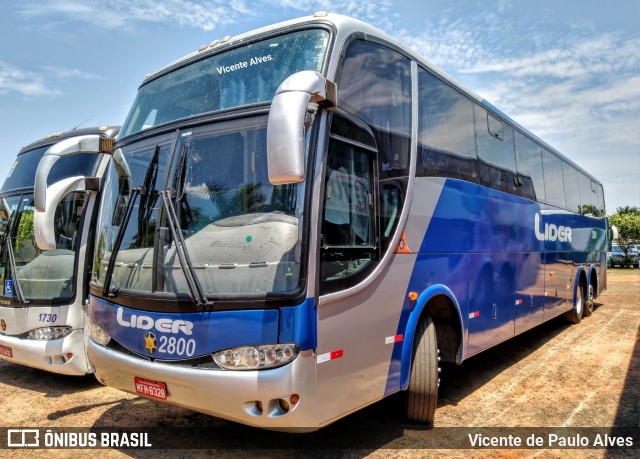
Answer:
(195, 287)
(106, 289)
(14, 271)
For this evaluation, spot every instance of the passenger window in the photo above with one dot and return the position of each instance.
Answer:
(553, 181)
(529, 162)
(588, 198)
(600, 196)
(496, 155)
(446, 136)
(349, 244)
(375, 85)
(571, 187)
(495, 127)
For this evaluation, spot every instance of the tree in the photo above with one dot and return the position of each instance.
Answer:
(627, 220)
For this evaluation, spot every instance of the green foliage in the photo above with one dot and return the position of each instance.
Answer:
(25, 228)
(627, 220)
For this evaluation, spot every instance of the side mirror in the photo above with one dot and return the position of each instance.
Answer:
(299, 94)
(81, 144)
(614, 233)
(43, 220)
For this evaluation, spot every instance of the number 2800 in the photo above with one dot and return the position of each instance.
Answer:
(179, 346)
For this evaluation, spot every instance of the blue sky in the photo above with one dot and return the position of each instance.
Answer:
(567, 70)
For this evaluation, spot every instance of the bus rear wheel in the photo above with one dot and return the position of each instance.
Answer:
(575, 315)
(422, 393)
(588, 304)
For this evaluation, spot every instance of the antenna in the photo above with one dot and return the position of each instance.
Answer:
(82, 123)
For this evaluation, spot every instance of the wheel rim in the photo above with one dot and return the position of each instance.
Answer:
(591, 298)
(579, 304)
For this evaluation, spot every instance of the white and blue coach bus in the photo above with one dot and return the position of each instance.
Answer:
(44, 275)
(301, 218)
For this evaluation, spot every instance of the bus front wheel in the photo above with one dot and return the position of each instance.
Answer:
(422, 393)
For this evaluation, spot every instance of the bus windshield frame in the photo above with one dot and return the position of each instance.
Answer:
(242, 235)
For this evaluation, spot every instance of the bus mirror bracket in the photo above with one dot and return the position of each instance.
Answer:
(296, 97)
(92, 144)
(43, 220)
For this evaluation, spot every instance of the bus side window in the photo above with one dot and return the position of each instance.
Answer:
(375, 85)
(349, 225)
(446, 136)
(529, 161)
(496, 154)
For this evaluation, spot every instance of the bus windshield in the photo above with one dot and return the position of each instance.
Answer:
(208, 188)
(241, 76)
(26, 272)
(30, 274)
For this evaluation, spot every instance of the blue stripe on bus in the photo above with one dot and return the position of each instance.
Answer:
(481, 250)
(209, 331)
(299, 324)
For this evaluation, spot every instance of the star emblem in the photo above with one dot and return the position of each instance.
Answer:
(150, 342)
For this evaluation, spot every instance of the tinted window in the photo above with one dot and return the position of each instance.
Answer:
(375, 84)
(553, 182)
(496, 156)
(446, 144)
(246, 75)
(348, 241)
(571, 187)
(588, 198)
(23, 171)
(530, 175)
(600, 196)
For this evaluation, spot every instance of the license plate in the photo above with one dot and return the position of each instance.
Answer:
(149, 388)
(6, 351)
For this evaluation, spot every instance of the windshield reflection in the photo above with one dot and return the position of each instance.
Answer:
(241, 234)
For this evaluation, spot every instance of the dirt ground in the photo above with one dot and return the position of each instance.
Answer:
(557, 375)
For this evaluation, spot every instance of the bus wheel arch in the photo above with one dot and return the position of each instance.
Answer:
(439, 303)
(434, 333)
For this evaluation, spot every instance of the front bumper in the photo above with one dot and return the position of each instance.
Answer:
(50, 355)
(248, 397)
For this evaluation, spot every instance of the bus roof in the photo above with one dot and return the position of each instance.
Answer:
(51, 139)
(345, 26)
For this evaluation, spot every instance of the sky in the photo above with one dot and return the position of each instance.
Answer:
(568, 70)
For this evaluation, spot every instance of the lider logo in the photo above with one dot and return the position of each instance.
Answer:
(147, 323)
(551, 232)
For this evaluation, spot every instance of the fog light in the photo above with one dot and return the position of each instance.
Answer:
(284, 405)
(98, 334)
(49, 333)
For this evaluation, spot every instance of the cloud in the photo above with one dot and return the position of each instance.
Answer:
(42, 81)
(125, 14)
(205, 15)
(13, 79)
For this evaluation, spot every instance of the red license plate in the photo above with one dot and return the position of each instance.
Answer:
(6, 351)
(149, 388)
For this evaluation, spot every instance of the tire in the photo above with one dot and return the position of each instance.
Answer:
(422, 396)
(588, 304)
(575, 315)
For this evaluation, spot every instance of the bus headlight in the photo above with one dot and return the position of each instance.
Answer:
(256, 357)
(49, 333)
(98, 334)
